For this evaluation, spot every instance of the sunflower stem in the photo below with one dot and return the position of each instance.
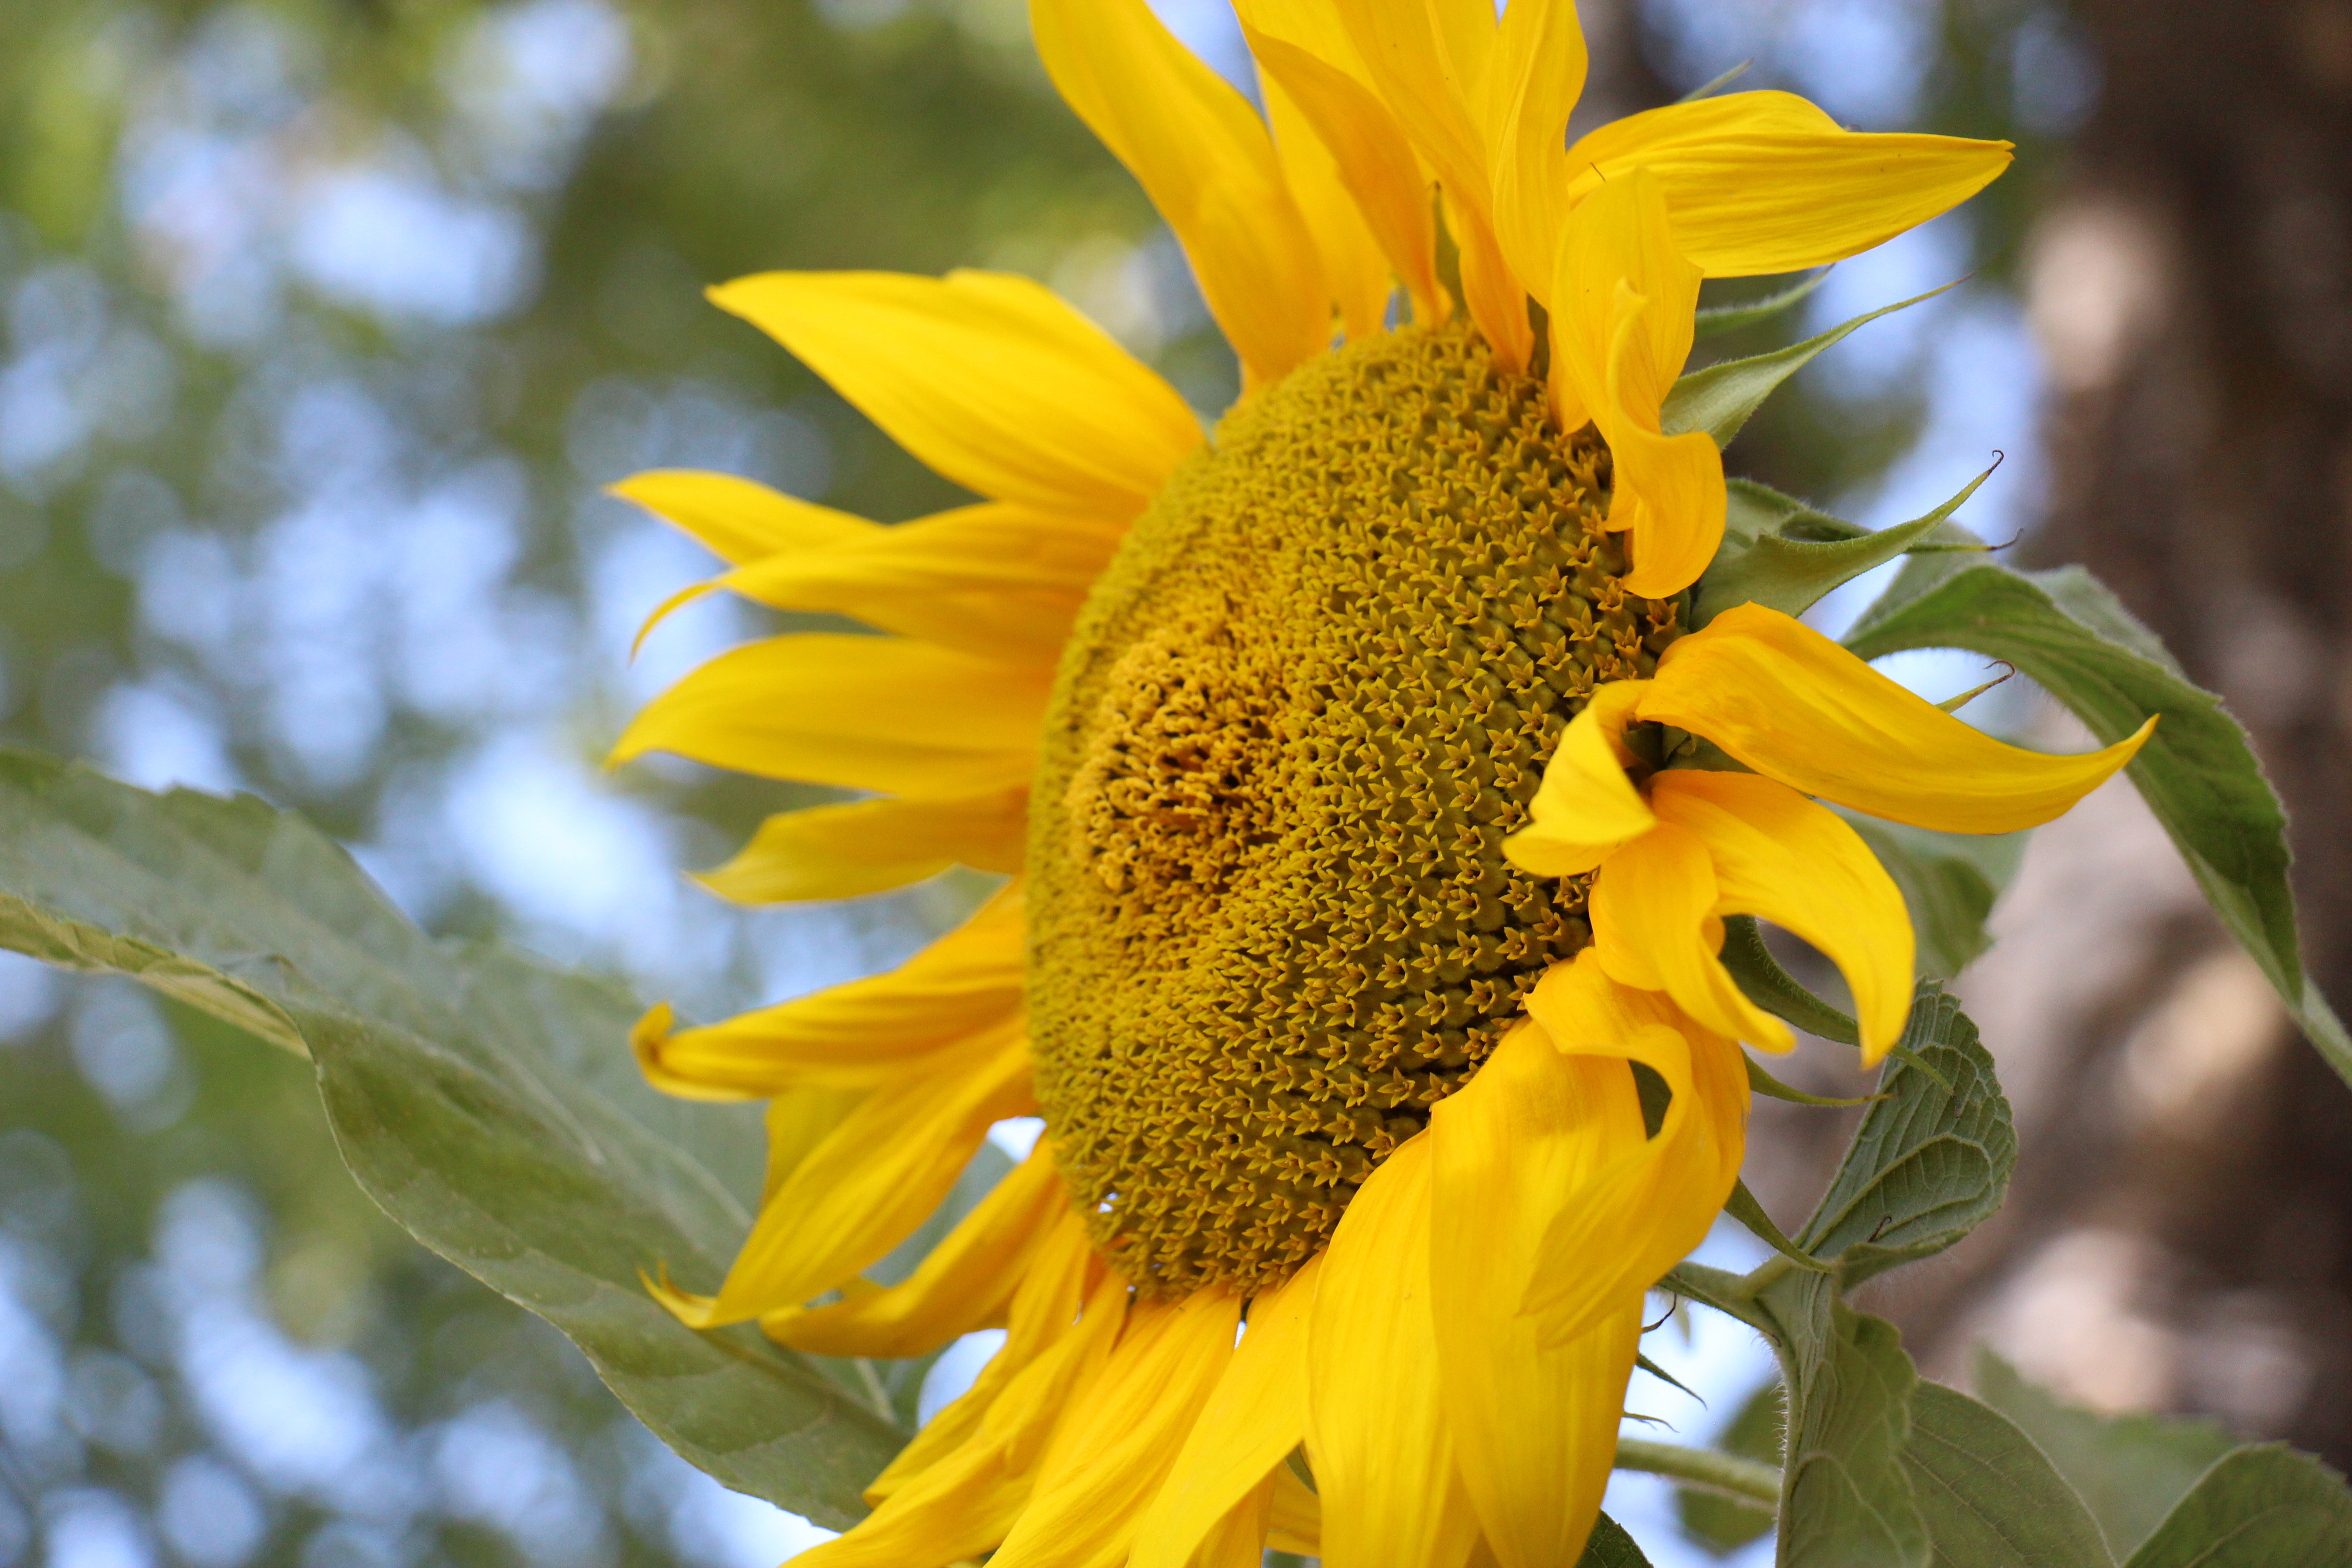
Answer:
(1749, 1480)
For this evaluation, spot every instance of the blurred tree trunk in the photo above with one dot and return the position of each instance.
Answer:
(2180, 1233)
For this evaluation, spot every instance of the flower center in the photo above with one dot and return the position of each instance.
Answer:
(1270, 920)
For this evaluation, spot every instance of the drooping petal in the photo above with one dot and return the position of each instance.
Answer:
(996, 581)
(962, 1504)
(1765, 182)
(1622, 327)
(1203, 156)
(1383, 1450)
(1654, 928)
(1779, 856)
(1113, 1452)
(1257, 1415)
(1586, 806)
(1532, 84)
(988, 378)
(1535, 1418)
(963, 1284)
(880, 713)
(1796, 707)
(861, 1035)
(863, 1189)
(866, 845)
(736, 519)
(1305, 51)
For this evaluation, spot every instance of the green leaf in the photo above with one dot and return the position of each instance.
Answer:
(1991, 1499)
(1764, 1083)
(1717, 1522)
(1787, 563)
(1610, 1547)
(2197, 772)
(2264, 1506)
(1929, 1162)
(1719, 398)
(1847, 1501)
(484, 1098)
(1714, 321)
(1949, 882)
(2128, 1469)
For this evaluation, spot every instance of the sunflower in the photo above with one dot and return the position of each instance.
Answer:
(1370, 808)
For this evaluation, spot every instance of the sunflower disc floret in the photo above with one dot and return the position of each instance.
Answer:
(1271, 924)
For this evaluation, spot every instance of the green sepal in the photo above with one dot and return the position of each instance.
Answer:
(1762, 981)
(1742, 1206)
(1788, 560)
(1709, 89)
(1714, 321)
(2197, 772)
(1770, 1088)
(1719, 398)
(1662, 1376)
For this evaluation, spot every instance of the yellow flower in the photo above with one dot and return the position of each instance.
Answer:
(1249, 723)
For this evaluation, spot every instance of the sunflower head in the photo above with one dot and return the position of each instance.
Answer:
(1315, 691)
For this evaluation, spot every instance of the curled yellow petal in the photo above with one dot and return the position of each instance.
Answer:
(965, 1283)
(888, 714)
(995, 580)
(1535, 1415)
(1779, 856)
(866, 845)
(1203, 156)
(1654, 928)
(1383, 1449)
(1585, 806)
(1765, 182)
(1622, 327)
(1257, 1415)
(1114, 1450)
(737, 518)
(1796, 707)
(860, 1034)
(988, 378)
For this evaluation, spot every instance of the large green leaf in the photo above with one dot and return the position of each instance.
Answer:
(2197, 772)
(1930, 1161)
(484, 1098)
(1719, 398)
(1846, 1499)
(1991, 1499)
(2128, 1469)
(2264, 1506)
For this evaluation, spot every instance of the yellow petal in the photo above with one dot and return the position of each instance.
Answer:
(1654, 928)
(1294, 1516)
(862, 1035)
(1533, 82)
(736, 519)
(1779, 856)
(866, 845)
(1622, 327)
(1796, 707)
(1534, 1132)
(1308, 58)
(1203, 156)
(962, 1505)
(965, 1283)
(880, 713)
(799, 1120)
(988, 378)
(1383, 1451)
(880, 1173)
(1257, 1415)
(1586, 806)
(1651, 1208)
(1111, 1454)
(1764, 182)
(1355, 272)
(995, 580)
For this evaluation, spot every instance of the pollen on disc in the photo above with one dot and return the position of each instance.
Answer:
(1270, 920)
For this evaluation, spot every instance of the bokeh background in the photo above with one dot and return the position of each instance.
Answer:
(325, 320)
